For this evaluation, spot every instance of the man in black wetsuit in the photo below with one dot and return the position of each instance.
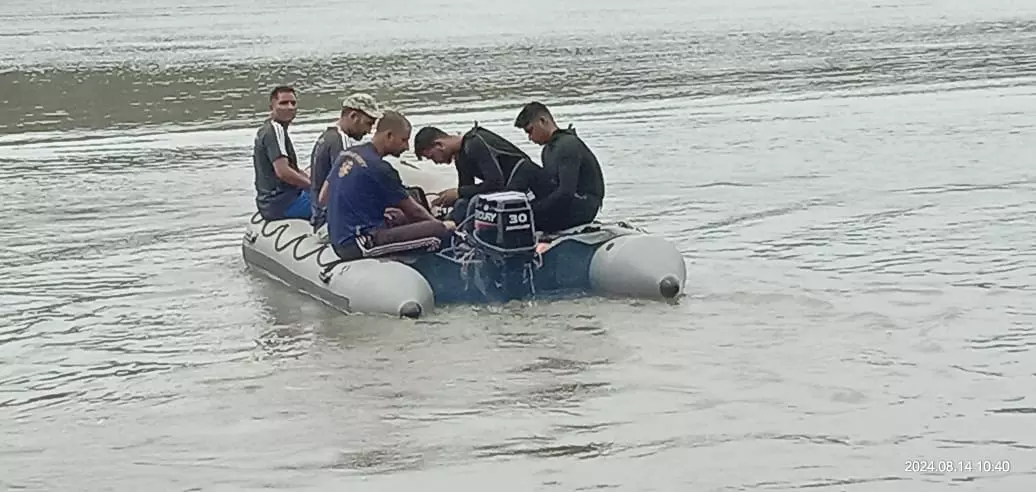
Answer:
(569, 165)
(479, 153)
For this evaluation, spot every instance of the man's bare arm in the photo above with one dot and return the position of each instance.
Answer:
(322, 199)
(286, 173)
(274, 142)
(414, 211)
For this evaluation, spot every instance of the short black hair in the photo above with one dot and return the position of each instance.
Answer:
(426, 138)
(393, 121)
(530, 112)
(281, 89)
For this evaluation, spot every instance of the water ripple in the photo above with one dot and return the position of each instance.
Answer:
(653, 64)
(845, 184)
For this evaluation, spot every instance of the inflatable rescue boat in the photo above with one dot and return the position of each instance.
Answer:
(494, 256)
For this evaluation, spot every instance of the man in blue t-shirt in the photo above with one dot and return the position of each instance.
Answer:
(366, 199)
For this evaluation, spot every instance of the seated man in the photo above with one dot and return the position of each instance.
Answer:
(482, 154)
(282, 190)
(359, 112)
(571, 167)
(368, 210)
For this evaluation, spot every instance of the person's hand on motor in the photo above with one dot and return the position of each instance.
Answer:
(446, 198)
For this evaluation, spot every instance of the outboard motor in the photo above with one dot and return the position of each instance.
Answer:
(503, 231)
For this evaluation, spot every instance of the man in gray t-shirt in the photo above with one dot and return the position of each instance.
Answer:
(282, 190)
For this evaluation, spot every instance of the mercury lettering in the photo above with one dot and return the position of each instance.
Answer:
(485, 216)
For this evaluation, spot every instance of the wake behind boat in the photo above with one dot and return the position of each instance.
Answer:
(495, 258)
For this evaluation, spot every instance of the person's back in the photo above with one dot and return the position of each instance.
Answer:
(327, 147)
(362, 187)
(566, 144)
(514, 170)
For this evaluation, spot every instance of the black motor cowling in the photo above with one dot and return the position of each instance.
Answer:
(502, 227)
(503, 222)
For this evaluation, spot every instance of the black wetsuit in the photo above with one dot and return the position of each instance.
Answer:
(500, 165)
(578, 183)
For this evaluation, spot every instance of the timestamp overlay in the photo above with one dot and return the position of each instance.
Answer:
(1010, 470)
(961, 466)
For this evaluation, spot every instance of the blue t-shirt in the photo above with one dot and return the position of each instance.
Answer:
(361, 186)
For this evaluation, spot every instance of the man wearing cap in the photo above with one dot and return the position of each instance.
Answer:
(479, 153)
(359, 112)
